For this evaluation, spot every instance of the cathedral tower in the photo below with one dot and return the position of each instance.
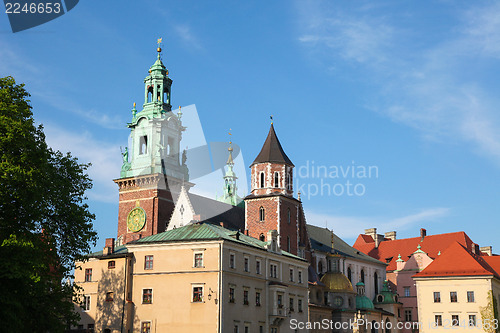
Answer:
(271, 205)
(151, 173)
(230, 192)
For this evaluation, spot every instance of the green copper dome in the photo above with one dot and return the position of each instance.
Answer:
(362, 302)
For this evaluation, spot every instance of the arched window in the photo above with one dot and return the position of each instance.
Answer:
(261, 180)
(262, 237)
(362, 276)
(158, 93)
(320, 267)
(289, 216)
(150, 94)
(287, 243)
(374, 325)
(276, 179)
(388, 330)
(375, 282)
(349, 274)
(262, 214)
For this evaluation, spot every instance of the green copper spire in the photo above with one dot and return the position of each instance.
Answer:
(230, 192)
(156, 131)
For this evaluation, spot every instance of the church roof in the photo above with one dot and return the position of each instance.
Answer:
(214, 211)
(272, 151)
(456, 260)
(321, 240)
(388, 250)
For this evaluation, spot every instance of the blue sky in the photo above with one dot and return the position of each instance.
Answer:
(409, 89)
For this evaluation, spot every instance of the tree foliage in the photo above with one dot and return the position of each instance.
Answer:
(45, 223)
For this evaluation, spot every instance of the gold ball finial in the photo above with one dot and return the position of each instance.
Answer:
(134, 104)
(158, 49)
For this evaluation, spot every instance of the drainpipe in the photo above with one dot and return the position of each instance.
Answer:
(221, 287)
(124, 292)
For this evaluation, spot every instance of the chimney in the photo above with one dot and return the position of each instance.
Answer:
(390, 235)
(109, 246)
(423, 233)
(373, 233)
(486, 250)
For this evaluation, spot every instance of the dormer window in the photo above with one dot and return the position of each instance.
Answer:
(262, 183)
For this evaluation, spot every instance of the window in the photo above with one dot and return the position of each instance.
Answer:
(472, 320)
(299, 305)
(231, 295)
(147, 296)
(438, 320)
(300, 277)
(143, 145)
(262, 180)
(197, 294)
(407, 291)
(111, 264)
(261, 329)
(86, 303)
(288, 244)
(280, 301)
(257, 298)
(231, 260)
(198, 260)
(289, 216)
(454, 320)
(257, 266)
(247, 329)
(262, 238)
(273, 270)
(90, 328)
(453, 296)
(349, 274)
(375, 282)
(247, 263)
(320, 267)
(262, 214)
(146, 327)
(109, 297)
(408, 315)
(245, 296)
(236, 329)
(274, 330)
(470, 296)
(291, 304)
(437, 297)
(88, 274)
(291, 274)
(276, 179)
(362, 276)
(148, 262)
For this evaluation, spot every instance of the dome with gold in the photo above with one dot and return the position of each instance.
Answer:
(337, 282)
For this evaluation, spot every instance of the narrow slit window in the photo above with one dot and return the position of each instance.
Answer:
(276, 179)
(262, 180)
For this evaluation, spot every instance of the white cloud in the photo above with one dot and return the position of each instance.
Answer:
(352, 226)
(105, 158)
(184, 31)
(436, 88)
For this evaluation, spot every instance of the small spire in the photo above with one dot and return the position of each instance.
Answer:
(159, 46)
(333, 251)
(230, 149)
(134, 110)
(179, 114)
(298, 195)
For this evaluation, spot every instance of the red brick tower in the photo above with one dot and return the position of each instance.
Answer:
(152, 173)
(271, 205)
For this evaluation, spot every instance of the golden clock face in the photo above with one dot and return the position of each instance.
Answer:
(136, 219)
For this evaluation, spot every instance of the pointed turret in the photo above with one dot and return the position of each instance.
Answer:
(271, 151)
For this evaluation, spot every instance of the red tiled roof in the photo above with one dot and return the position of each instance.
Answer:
(431, 245)
(456, 260)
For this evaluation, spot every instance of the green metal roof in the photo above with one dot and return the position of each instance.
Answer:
(206, 231)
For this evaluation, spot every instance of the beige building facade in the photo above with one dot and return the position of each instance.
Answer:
(198, 278)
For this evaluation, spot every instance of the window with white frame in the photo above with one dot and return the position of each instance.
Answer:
(257, 266)
(86, 303)
(198, 259)
(146, 327)
(232, 260)
(246, 264)
(300, 276)
(147, 296)
(197, 294)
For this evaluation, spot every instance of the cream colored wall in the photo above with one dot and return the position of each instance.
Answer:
(427, 309)
(251, 315)
(172, 279)
(103, 314)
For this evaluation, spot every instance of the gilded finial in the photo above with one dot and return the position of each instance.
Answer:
(271, 119)
(134, 105)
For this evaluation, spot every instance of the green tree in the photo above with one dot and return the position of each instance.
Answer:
(45, 224)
